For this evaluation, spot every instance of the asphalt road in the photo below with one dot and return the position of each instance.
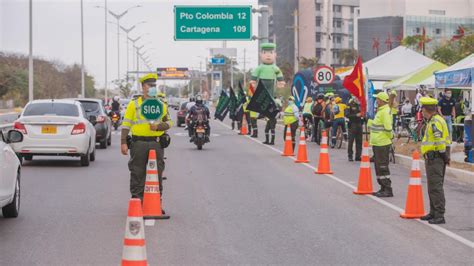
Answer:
(234, 202)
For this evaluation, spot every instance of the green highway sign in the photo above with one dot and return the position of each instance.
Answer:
(212, 23)
(152, 109)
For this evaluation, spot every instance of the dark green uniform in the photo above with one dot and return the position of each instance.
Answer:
(355, 130)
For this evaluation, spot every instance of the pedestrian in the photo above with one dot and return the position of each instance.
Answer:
(407, 108)
(339, 120)
(253, 123)
(318, 115)
(146, 136)
(381, 140)
(393, 103)
(328, 112)
(435, 148)
(271, 125)
(446, 107)
(355, 129)
(291, 119)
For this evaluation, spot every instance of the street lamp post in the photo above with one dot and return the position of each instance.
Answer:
(30, 57)
(105, 22)
(127, 31)
(118, 17)
(83, 89)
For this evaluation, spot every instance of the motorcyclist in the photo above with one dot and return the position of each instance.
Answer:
(115, 106)
(197, 112)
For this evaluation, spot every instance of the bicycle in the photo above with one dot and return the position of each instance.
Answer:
(412, 129)
(308, 128)
(318, 132)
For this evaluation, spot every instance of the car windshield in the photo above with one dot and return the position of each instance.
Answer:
(52, 108)
(91, 107)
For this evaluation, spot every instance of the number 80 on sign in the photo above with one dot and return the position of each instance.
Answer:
(324, 75)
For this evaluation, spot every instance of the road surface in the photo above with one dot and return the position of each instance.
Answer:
(234, 202)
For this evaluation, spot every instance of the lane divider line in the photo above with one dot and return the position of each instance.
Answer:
(438, 228)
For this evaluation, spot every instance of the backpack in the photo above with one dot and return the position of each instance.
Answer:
(317, 110)
(335, 109)
(200, 113)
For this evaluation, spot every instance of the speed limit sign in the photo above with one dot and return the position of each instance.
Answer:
(324, 75)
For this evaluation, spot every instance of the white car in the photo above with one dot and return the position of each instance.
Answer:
(56, 127)
(10, 169)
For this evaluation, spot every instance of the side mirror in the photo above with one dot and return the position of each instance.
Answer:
(93, 119)
(14, 136)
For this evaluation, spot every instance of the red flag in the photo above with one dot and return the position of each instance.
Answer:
(354, 83)
(251, 89)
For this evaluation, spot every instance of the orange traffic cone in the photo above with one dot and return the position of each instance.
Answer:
(288, 149)
(414, 206)
(302, 154)
(324, 166)
(134, 250)
(151, 197)
(243, 128)
(365, 174)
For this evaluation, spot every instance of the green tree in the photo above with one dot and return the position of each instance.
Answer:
(307, 62)
(125, 88)
(453, 51)
(347, 57)
(287, 70)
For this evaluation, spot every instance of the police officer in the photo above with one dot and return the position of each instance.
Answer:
(146, 136)
(291, 119)
(253, 122)
(271, 125)
(381, 140)
(355, 129)
(436, 151)
(247, 116)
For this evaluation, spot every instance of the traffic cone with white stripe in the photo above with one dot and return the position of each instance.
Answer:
(288, 149)
(302, 153)
(151, 196)
(324, 165)
(365, 174)
(134, 249)
(414, 207)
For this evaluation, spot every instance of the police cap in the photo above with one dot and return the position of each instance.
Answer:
(426, 101)
(149, 78)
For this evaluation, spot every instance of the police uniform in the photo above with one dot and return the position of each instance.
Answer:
(355, 130)
(435, 149)
(247, 116)
(290, 119)
(271, 125)
(142, 141)
(381, 140)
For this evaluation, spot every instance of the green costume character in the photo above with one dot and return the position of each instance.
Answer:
(268, 72)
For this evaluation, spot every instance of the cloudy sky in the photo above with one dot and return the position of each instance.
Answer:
(56, 33)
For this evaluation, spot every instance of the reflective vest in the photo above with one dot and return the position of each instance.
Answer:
(288, 116)
(307, 108)
(381, 127)
(436, 136)
(253, 114)
(245, 106)
(136, 122)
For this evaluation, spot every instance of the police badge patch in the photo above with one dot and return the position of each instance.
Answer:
(151, 165)
(134, 227)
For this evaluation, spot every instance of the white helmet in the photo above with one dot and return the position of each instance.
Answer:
(116, 98)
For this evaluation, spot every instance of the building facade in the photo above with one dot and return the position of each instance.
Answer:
(382, 24)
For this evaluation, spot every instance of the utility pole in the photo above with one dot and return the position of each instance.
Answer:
(105, 86)
(83, 89)
(232, 72)
(138, 65)
(30, 57)
(295, 30)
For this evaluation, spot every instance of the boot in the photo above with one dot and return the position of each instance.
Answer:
(386, 190)
(437, 220)
(427, 217)
(266, 139)
(380, 190)
(255, 134)
(272, 142)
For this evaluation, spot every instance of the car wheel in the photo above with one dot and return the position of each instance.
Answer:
(85, 160)
(103, 144)
(109, 140)
(11, 210)
(92, 156)
(28, 157)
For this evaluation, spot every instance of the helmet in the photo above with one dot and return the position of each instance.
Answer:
(309, 99)
(116, 98)
(338, 99)
(320, 96)
(191, 99)
(291, 98)
(383, 96)
(198, 99)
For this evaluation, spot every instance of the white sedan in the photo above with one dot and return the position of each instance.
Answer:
(10, 168)
(56, 127)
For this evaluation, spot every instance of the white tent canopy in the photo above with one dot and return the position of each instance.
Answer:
(394, 64)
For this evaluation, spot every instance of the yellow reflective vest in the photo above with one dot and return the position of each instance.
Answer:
(381, 127)
(307, 108)
(436, 136)
(288, 116)
(136, 122)
(253, 114)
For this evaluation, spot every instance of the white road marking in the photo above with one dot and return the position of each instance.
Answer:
(149, 222)
(379, 200)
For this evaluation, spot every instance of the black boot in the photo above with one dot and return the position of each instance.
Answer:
(266, 139)
(272, 142)
(386, 190)
(255, 134)
(380, 190)
(437, 220)
(427, 217)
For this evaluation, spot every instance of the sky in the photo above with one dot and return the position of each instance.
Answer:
(57, 29)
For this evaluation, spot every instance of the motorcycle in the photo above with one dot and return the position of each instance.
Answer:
(115, 120)
(200, 134)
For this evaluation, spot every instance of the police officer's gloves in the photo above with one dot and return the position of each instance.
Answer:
(162, 126)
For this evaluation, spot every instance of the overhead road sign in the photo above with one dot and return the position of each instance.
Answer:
(173, 73)
(213, 23)
(218, 61)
